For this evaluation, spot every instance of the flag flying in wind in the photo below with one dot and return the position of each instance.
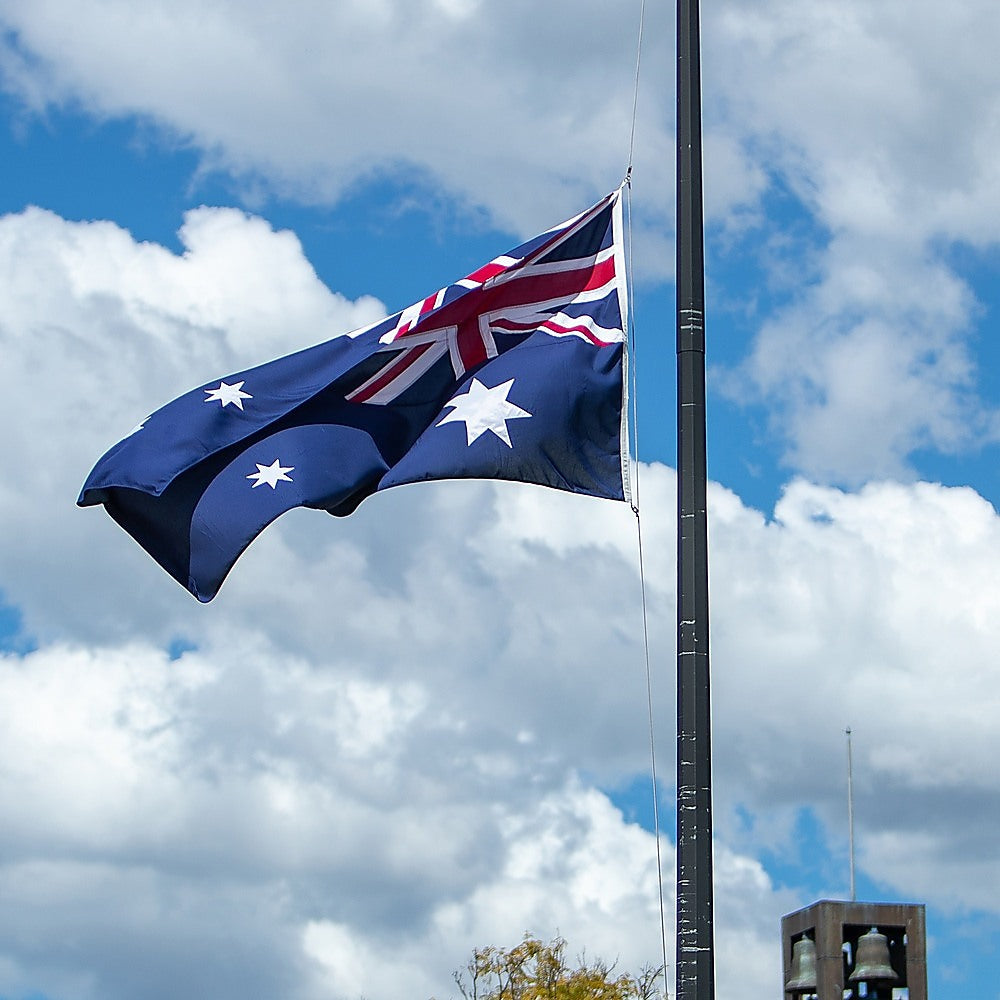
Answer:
(515, 372)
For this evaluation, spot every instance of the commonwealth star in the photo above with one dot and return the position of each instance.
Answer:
(482, 409)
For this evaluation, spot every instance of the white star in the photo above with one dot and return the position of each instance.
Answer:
(227, 394)
(482, 409)
(270, 474)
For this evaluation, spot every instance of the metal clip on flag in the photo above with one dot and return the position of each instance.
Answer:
(514, 372)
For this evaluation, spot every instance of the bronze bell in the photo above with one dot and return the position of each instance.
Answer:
(872, 961)
(802, 975)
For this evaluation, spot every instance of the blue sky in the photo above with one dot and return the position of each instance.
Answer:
(422, 729)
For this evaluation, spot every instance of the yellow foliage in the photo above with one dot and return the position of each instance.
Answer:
(534, 970)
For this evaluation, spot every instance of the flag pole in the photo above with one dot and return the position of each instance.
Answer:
(695, 961)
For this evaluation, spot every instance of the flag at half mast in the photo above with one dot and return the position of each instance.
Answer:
(514, 372)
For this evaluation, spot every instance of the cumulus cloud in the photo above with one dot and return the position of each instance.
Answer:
(868, 354)
(868, 366)
(385, 744)
(862, 116)
(840, 110)
(312, 102)
(303, 765)
(878, 607)
(97, 331)
(267, 846)
(382, 746)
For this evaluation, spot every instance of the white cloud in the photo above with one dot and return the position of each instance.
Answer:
(884, 117)
(374, 749)
(511, 108)
(874, 610)
(375, 739)
(96, 332)
(868, 365)
(354, 748)
(230, 811)
(570, 865)
(882, 121)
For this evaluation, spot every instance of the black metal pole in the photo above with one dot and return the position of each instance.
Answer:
(695, 961)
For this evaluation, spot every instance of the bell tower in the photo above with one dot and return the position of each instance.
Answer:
(835, 950)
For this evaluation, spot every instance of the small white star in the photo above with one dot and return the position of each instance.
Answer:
(271, 474)
(227, 394)
(482, 409)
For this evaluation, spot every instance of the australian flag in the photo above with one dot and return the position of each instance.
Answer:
(514, 372)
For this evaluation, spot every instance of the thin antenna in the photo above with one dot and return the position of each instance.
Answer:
(850, 807)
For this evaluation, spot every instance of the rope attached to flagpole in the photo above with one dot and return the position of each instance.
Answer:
(634, 458)
(634, 500)
(635, 88)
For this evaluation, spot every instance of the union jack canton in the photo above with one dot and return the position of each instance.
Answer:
(520, 292)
